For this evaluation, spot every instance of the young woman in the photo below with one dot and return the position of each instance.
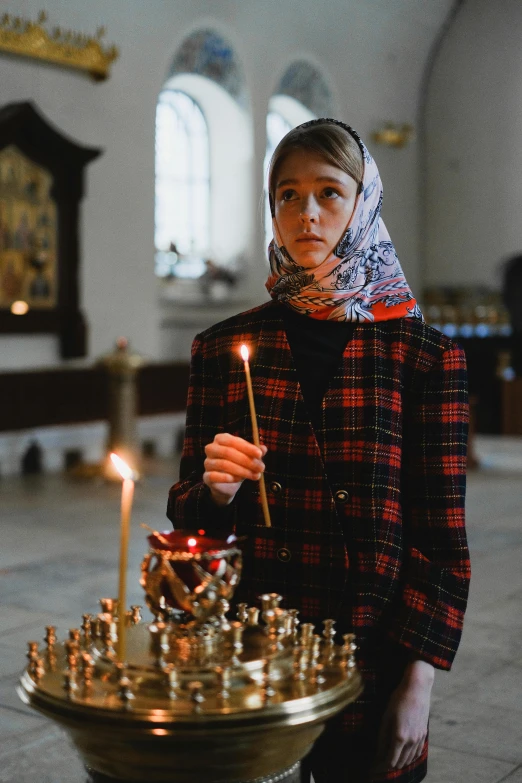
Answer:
(362, 412)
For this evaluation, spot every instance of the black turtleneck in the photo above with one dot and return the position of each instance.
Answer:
(317, 348)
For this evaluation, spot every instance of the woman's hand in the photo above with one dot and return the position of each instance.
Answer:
(230, 460)
(404, 726)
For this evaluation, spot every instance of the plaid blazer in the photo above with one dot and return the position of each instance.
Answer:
(367, 511)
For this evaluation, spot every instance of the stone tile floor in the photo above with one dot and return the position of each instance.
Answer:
(59, 554)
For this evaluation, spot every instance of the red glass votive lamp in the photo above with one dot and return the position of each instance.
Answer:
(189, 571)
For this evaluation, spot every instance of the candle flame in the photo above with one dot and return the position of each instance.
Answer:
(192, 542)
(123, 469)
(244, 353)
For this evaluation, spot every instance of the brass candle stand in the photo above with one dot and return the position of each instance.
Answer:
(199, 696)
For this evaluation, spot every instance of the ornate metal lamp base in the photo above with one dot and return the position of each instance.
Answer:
(183, 700)
(289, 775)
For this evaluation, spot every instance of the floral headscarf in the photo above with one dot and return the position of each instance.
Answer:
(361, 279)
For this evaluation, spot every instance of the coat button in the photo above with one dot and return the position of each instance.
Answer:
(274, 487)
(283, 555)
(341, 496)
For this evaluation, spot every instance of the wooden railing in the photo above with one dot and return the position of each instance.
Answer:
(43, 398)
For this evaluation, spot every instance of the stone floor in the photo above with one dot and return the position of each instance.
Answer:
(59, 553)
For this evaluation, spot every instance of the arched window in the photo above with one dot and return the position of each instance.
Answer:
(301, 95)
(182, 210)
(204, 161)
(276, 127)
(284, 113)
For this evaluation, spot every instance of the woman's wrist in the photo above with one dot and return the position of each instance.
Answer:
(419, 673)
(219, 499)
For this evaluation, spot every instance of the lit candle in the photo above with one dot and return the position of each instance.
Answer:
(127, 493)
(255, 432)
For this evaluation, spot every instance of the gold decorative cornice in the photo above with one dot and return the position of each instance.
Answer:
(394, 135)
(61, 47)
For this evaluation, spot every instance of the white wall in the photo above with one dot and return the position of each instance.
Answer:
(372, 54)
(474, 146)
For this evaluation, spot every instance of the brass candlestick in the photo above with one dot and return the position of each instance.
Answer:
(199, 697)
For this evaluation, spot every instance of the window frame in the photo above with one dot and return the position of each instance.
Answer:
(189, 121)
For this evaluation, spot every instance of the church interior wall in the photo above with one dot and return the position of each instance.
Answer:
(474, 155)
(371, 54)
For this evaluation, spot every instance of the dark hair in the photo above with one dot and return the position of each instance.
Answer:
(328, 139)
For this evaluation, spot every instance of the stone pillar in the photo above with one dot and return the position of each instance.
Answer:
(122, 368)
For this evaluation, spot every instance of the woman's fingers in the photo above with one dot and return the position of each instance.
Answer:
(395, 753)
(234, 468)
(216, 477)
(218, 452)
(403, 751)
(406, 755)
(409, 753)
(417, 750)
(239, 444)
(230, 454)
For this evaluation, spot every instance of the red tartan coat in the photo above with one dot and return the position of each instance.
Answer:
(367, 512)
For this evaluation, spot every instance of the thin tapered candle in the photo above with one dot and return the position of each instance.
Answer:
(127, 494)
(255, 433)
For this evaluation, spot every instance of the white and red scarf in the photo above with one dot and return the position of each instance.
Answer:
(361, 278)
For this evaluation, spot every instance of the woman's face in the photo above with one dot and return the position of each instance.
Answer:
(314, 202)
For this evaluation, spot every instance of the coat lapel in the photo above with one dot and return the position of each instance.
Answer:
(279, 401)
(276, 384)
